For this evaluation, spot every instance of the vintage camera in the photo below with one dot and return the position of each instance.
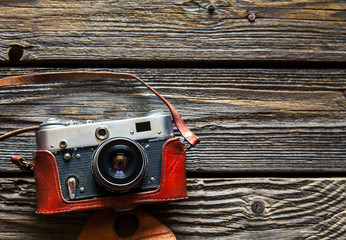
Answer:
(111, 164)
(107, 158)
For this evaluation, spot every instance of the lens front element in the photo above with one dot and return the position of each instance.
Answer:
(119, 164)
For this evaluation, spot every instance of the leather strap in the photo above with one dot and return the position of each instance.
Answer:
(22, 164)
(17, 160)
(77, 76)
(18, 131)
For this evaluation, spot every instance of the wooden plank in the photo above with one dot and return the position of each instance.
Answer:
(172, 30)
(260, 208)
(249, 120)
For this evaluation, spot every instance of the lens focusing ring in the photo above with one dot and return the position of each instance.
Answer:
(134, 158)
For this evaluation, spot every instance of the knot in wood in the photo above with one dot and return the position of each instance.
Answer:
(257, 207)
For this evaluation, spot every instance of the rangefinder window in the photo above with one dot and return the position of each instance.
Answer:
(143, 127)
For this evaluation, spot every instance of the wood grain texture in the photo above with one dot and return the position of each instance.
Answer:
(216, 209)
(183, 30)
(249, 120)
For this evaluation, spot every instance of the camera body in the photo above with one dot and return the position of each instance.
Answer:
(118, 163)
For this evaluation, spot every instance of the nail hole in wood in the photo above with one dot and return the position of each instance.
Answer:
(251, 17)
(15, 53)
(211, 9)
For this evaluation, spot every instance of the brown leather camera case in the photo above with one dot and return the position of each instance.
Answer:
(50, 199)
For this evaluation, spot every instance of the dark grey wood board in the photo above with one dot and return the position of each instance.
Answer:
(185, 30)
(249, 120)
(248, 208)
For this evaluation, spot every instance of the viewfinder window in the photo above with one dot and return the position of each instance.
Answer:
(143, 127)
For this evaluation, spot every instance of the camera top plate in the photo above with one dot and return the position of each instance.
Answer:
(55, 135)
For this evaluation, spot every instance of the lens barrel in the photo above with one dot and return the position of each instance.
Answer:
(119, 164)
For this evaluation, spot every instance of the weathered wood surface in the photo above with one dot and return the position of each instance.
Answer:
(252, 121)
(183, 30)
(249, 120)
(257, 208)
(217, 208)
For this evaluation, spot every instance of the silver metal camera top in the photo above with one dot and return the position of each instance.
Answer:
(54, 134)
(52, 123)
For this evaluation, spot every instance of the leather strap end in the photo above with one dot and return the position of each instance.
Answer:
(22, 164)
(191, 138)
(188, 135)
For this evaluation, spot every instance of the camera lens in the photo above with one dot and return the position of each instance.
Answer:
(120, 161)
(119, 164)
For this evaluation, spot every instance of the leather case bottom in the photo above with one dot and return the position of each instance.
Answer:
(50, 200)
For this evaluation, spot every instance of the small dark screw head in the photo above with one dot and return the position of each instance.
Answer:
(257, 207)
(251, 17)
(211, 8)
